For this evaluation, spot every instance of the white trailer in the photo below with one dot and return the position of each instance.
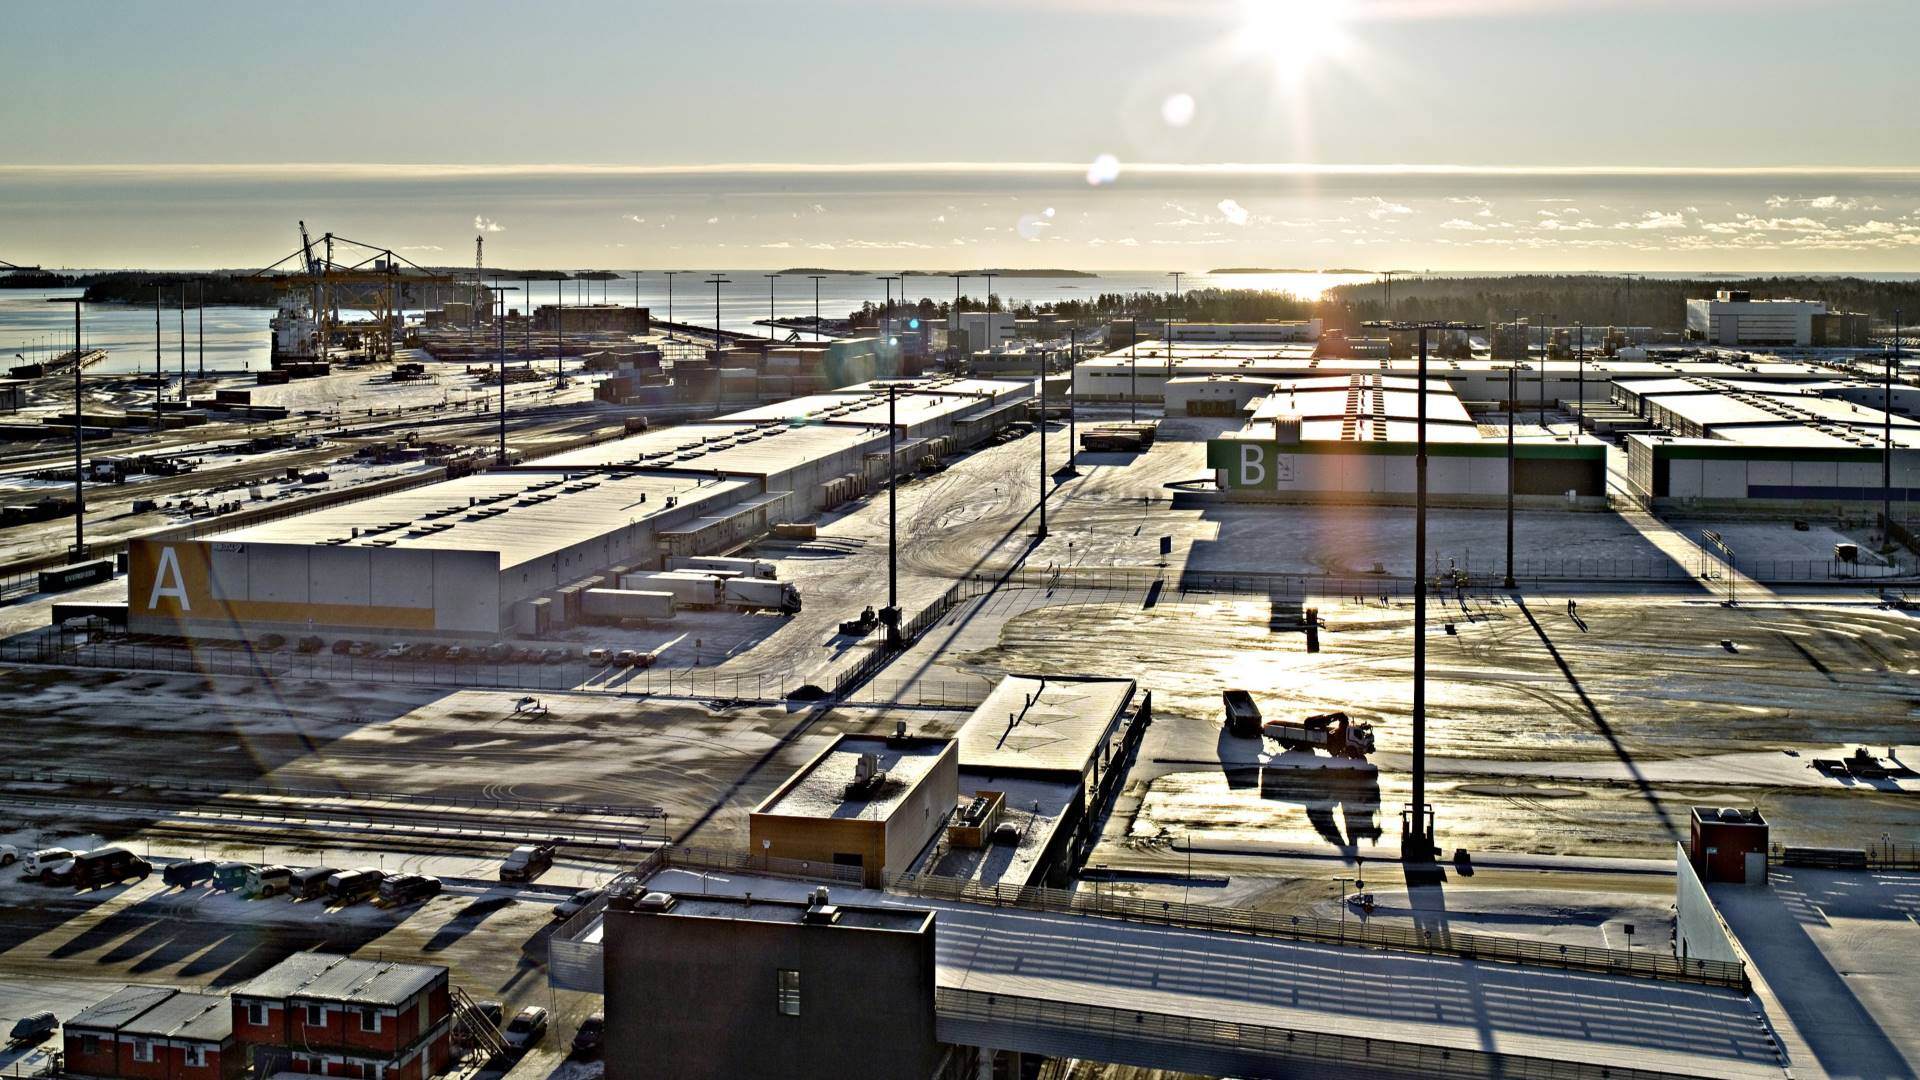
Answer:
(759, 594)
(627, 604)
(688, 589)
(762, 569)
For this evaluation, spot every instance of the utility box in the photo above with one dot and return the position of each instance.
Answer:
(1729, 845)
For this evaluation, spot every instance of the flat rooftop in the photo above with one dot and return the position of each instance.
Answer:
(161, 1012)
(323, 976)
(742, 449)
(993, 389)
(1042, 724)
(1363, 408)
(1270, 360)
(820, 789)
(1035, 807)
(1836, 951)
(909, 409)
(694, 905)
(522, 516)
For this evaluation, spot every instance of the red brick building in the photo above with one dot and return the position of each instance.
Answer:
(338, 1016)
(154, 1033)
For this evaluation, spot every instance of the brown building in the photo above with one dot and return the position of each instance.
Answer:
(338, 1016)
(726, 987)
(591, 318)
(154, 1033)
(1729, 845)
(867, 801)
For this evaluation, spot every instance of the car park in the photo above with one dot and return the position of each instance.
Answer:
(265, 881)
(351, 886)
(231, 876)
(573, 905)
(310, 883)
(591, 1035)
(527, 1028)
(38, 864)
(32, 1029)
(101, 866)
(187, 872)
(408, 888)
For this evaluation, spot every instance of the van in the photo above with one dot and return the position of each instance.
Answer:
(350, 886)
(311, 883)
(187, 873)
(103, 866)
(527, 862)
(32, 1029)
(229, 876)
(265, 881)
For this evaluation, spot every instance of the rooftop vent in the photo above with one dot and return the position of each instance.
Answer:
(820, 909)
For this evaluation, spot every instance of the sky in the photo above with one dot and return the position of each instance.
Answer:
(933, 134)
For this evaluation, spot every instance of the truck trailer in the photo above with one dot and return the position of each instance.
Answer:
(752, 593)
(762, 569)
(688, 589)
(627, 604)
(1336, 733)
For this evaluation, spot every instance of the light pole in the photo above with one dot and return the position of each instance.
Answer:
(953, 351)
(79, 429)
(1513, 391)
(201, 314)
(559, 330)
(159, 376)
(500, 337)
(716, 281)
(891, 614)
(1886, 420)
(183, 344)
(886, 313)
(1176, 276)
(1416, 828)
(771, 278)
(816, 279)
(670, 274)
(1042, 426)
(1073, 357)
(1133, 371)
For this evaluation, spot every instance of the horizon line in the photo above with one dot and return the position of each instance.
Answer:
(376, 170)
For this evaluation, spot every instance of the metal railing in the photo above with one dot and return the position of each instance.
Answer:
(1645, 963)
(1244, 1043)
(246, 787)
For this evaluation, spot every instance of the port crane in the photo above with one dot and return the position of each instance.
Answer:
(9, 268)
(371, 276)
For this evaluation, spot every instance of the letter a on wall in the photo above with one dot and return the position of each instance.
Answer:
(168, 581)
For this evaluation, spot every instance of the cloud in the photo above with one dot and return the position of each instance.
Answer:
(1656, 220)
(635, 218)
(421, 247)
(713, 221)
(777, 244)
(818, 209)
(1380, 209)
(1463, 225)
(486, 224)
(1233, 212)
(1831, 202)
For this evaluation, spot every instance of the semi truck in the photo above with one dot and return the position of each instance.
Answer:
(750, 568)
(627, 604)
(692, 588)
(1336, 733)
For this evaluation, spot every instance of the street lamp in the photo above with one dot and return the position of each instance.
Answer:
(890, 615)
(670, 274)
(716, 281)
(79, 551)
(953, 352)
(771, 278)
(816, 279)
(500, 337)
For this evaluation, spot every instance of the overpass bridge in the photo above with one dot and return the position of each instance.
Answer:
(1218, 1001)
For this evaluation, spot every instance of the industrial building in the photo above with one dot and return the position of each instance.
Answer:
(1745, 443)
(986, 331)
(591, 318)
(868, 802)
(491, 554)
(1734, 317)
(330, 1015)
(1276, 330)
(1354, 439)
(153, 1033)
(725, 986)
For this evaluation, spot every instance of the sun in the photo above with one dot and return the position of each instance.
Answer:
(1294, 33)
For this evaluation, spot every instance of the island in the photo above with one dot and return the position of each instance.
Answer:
(1260, 270)
(1052, 273)
(808, 271)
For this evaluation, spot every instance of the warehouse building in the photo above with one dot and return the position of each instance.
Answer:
(457, 558)
(1740, 444)
(1734, 317)
(1355, 438)
(924, 410)
(1145, 372)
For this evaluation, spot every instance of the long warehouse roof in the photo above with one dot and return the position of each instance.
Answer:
(522, 516)
(743, 449)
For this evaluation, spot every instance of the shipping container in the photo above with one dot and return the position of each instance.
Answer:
(628, 604)
(750, 568)
(689, 590)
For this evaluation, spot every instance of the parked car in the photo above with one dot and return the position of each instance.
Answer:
(270, 643)
(558, 655)
(187, 873)
(396, 651)
(592, 1032)
(311, 883)
(527, 862)
(9, 854)
(342, 647)
(499, 652)
(101, 866)
(265, 881)
(573, 905)
(32, 1029)
(598, 657)
(229, 876)
(492, 1011)
(527, 1028)
(311, 644)
(38, 864)
(407, 888)
(351, 886)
